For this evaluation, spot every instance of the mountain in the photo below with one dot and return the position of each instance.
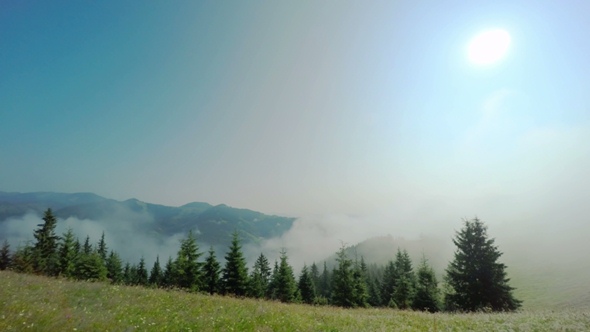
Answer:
(212, 224)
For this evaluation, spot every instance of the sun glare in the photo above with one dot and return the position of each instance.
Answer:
(488, 47)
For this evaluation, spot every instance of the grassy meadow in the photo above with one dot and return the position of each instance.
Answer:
(36, 303)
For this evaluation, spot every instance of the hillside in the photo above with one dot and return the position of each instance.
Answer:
(45, 304)
(212, 224)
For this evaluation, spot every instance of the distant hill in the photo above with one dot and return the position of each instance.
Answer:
(213, 224)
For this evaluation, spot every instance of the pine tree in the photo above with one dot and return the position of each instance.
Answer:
(187, 268)
(476, 279)
(314, 273)
(306, 286)
(325, 290)
(102, 248)
(211, 269)
(156, 273)
(286, 285)
(273, 284)
(67, 254)
(389, 284)
(87, 248)
(128, 277)
(427, 296)
(5, 257)
(168, 277)
(45, 248)
(114, 267)
(342, 281)
(142, 274)
(405, 283)
(235, 272)
(260, 277)
(360, 294)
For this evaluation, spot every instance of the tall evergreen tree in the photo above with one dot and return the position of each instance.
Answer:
(476, 279)
(187, 267)
(325, 289)
(342, 281)
(67, 254)
(142, 273)
(273, 284)
(102, 248)
(168, 277)
(45, 249)
(388, 284)
(235, 273)
(427, 296)
(128, 274)
(5, 256)
(374, 292)
(87, 248)
(360, 293)
(306, 286)
(90, 267)
(114, 267)
(404, 290)
(286, 286)
(23, 259)
(211, 270)
(156, 273)
(260, 277)
(314, 273)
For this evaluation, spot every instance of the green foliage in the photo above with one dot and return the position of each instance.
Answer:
(102, 248)
(114, 267)
(427, 295)
(404, 285)
(342, 281)
(235, 273)
(141, 276)
(23, 259)
(476, 280)
(5, 257)
(45, 248)
(187, 269)
(306, 286)
(272, 290)
(156, 273)
(67, 254)
(388, 283)
(260, 277)
(87, 248)
(211, 273)
(325, 283)
(168, 278)
(286, 288)
(90, 267)
(360, 294)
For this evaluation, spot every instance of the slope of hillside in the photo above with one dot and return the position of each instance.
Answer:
(46, 304)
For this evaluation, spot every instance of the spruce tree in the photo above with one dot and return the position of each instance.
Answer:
(314, 273)
(168, 277)
(23, 259)
(286, 285)
(325, 289)
(87, 248)
(127, 277)
(5, 257)
(156, 273)
(187, 268)
(359, 282)
(404, 290)
(427, 296)
(102, 248)
(235, 273)
(142, 274)
(45, 249)
(476, 279)
(90, 267)
(211, 270)
(374, 292)
(342, 281)
(388, 284)
(273, 284)
(260, 277)
(306, 286)
(114, 267)
(67, 254)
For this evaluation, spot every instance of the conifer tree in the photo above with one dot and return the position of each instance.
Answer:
(427, 296)
(306, 286)
(388, 285)
(360, 294)
(168, 278)
(374, 292)
(102, 248)
(325, 289)
(314, 273)
(45, 249)
(23, 259)
(405, 283)
(156, 273)
(5, 256)
(90, 267)
(476, 279)
(141, 273)
(286, 285)
(114, 267)
(67, 254)
(272, 290)
(87, 248)
(128, 277)
(187, 268)
(235, 273)
(211, 270)
(260, 277)
(342, 281)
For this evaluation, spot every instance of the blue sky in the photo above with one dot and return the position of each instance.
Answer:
(299, 107)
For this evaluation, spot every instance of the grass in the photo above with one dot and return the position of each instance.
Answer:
(44, 304)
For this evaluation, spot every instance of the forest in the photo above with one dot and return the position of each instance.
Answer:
(474, 280)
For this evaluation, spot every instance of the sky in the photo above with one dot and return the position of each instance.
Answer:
(366, 110)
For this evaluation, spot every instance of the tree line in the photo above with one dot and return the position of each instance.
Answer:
(474, 280)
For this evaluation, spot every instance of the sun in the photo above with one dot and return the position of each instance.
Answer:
(488, 47)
